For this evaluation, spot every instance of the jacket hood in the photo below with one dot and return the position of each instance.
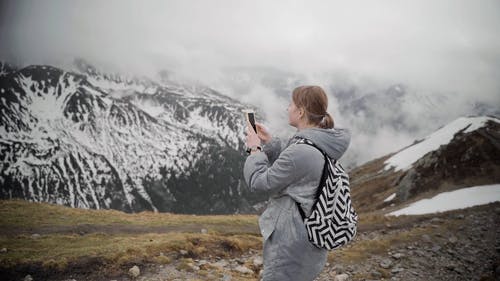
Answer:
(334, 142)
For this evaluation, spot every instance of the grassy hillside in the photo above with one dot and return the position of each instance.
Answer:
(55, 242)
(53, 238)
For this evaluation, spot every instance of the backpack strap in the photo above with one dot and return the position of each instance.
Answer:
(324, 174)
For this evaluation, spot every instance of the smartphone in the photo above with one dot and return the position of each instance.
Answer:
(250, 114)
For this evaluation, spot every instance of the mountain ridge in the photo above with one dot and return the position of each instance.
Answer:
(86, 148)
(91, 139)
(467, 159)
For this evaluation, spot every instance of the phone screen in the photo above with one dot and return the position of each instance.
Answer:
(251, 119)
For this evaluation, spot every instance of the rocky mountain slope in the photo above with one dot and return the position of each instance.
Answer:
(87, 139)
(417, 250)
(464, 153)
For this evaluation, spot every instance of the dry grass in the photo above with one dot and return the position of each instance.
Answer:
(58, 251)
(370, 185)
(20, 213)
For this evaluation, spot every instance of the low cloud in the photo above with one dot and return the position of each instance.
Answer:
(445, 52)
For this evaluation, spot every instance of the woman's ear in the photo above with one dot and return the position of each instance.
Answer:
(301, 113)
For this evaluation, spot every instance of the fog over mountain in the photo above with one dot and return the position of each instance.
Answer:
(394, 70)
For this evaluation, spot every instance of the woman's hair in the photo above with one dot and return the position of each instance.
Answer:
(315, 103)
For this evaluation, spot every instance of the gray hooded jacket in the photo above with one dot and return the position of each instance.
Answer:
(292, 172)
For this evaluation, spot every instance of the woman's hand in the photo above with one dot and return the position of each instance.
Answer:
(262, 133)
(252, 138)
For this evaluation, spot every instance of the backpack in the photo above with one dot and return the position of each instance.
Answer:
(333, 220)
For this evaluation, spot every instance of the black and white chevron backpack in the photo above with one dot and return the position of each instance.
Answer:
(333, 220)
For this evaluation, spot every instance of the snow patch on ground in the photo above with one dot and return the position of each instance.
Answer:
(453, 200)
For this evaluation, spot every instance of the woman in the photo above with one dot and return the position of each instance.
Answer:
(293, 174)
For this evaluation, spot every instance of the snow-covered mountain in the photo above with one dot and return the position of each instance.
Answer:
(463, 153)
(88, 139)
(404, 159)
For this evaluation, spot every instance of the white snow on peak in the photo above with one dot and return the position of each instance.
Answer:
(49, 106)
(406, 157)
(196, 119)
(151, 108)
(124, 86)
(453, 200)
(390, 197)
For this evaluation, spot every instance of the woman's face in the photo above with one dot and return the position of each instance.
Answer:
(294, 114)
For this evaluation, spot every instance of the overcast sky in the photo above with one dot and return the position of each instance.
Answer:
(446, 45)
(450, 47)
